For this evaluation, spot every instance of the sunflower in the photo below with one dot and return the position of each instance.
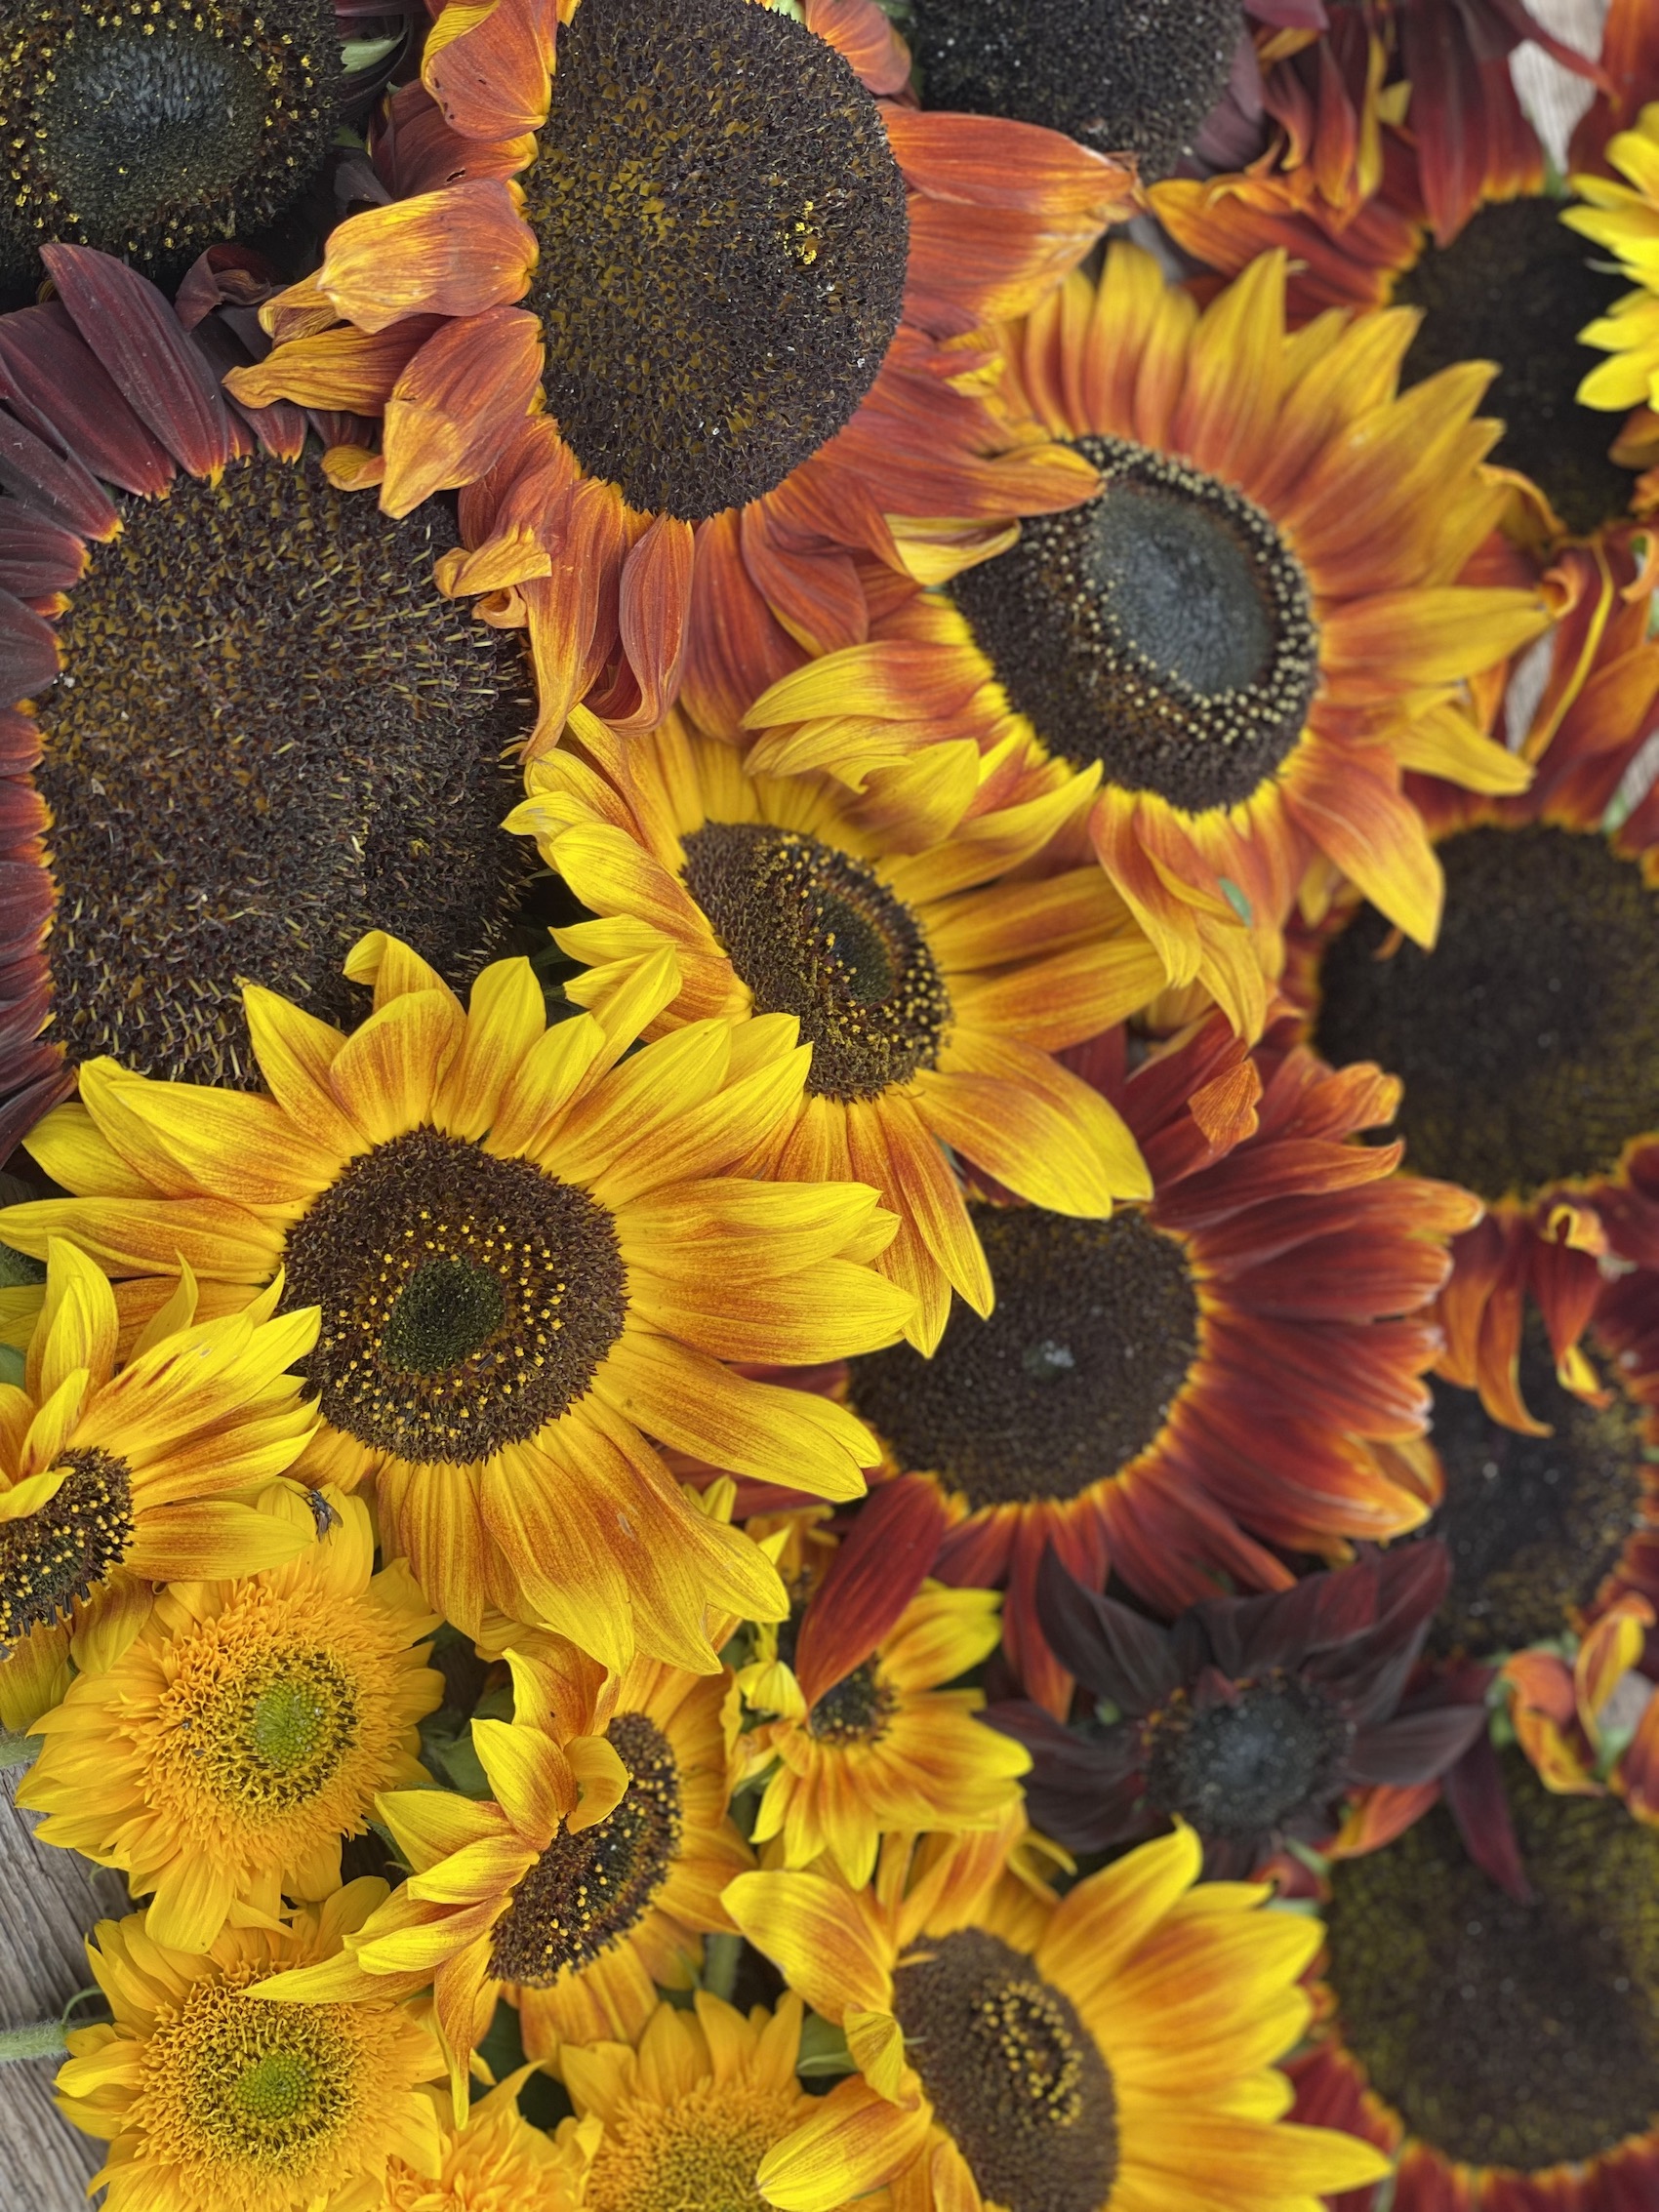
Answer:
(590, 1877)
(214, 2100)
(526, 1255)
(1585, 1714)
(1503, 2049)
(1624, 218)
(735, 277)
(255, 728)
(1251, 629)
(931, 989)
(1111, 2053)
(250, 1724)
(116, 1477)
(496, 2160)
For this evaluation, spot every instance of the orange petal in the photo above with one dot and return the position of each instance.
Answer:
(457, 252)
(458, 403)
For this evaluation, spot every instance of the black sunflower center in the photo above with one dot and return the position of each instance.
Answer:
(154, 128)
(1164, 629)
(1122, 76)
(814, 933)
(1528, 1039)
(1094, 1334)
(1515, 287)
(853, 1710)
(272, 733)
(1506, 2034)
(587, 1891)
(63, 1550)
(723, 243)
(1534, 1524)
(1014, 2077)
(467, 1301)
(1241, 1770)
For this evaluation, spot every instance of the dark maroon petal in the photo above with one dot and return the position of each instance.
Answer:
(50, 367)
(225, 273)
(1416, 1747)
(1085, 1791)
(1474, 1791)
(50, 1079)
(25, 898)
(20, 740)
(56, 482)
(137, 336)
(281, 428)
(874, 1575)
(37, 555)
(23, 810)
(1113, 1653)
(28, 650)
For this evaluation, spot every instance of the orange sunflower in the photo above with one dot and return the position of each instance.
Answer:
(1259, 621)
(708, 237)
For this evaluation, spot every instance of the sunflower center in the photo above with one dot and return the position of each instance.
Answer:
(154, 128)
(1094, 1334)
(815, 934)
(1515, 287)
(1164, 629)
(250, 2083)
(723, 242)
(272, 733)
(63, 1550)
(855, 1709)
(1120, 76)
(1506, 2034)
(587, 1891)
(696, 2153)
(1237, 1770)
(1528, 1039)
(1534, 1524)
(1014, 2077)
(467, 1301)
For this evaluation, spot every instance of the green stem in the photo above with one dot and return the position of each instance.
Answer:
(41, 2040)
(720, 1956)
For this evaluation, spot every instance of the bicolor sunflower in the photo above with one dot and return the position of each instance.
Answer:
(528, 1259)
(721, 253)
(214, 2100)
(117, 1476)
(587, 1880)
(248, 1728)
(1166, 1394)
(932, 984)
(241, 724)
(1109, 2053)
(496, 2160)
(1257, 622)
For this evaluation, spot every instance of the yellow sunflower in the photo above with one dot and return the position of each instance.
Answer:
(496, 2160)
(1112, 2052)
(588, 1878)
(113, 1479)
(934, 992)
(213, 2100)
(1624, 218)
(247, 1728)
(529, 1257)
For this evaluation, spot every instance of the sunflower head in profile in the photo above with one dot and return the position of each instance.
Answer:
(213, 2098)
(119, 1476)
(247, 1728)
(253, 728)
(530, 1254)
(1046, 2056)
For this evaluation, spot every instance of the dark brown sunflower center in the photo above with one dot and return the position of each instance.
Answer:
(587, 1891)
(62, 1551)
(1014, 2077)
(814, 933)
(1122, 76)
(1534, 1524)
(1515, 287)
(1164, 629)
(467, 1301)
(154, 128)
(1236, 1771)
(855, 1709)
(723, 243)
(1506, 2034)
(1528, 1039)
(1095, 1332)
(272, 733)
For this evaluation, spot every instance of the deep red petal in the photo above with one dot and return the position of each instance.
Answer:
(875, 1575)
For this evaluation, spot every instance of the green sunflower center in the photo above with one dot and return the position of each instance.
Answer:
(1236, 1771)
(1092, 1340)
(1164, 629)
(1014, 2077)
(52, 1557)
(251, 2084)
(723, 242)
(1120, 75)
(272, 733)
(1528, 1039)
(1506, 2034)
(814, 933)
(154, 128)
(275, 1732)
(587, 1891)
(467, 1301)
(1515, 287)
